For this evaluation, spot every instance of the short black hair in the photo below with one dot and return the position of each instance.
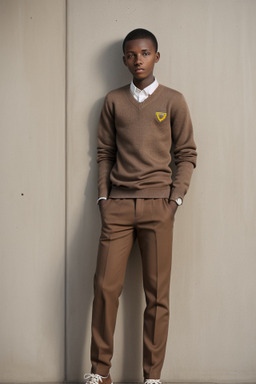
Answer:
(140, 33)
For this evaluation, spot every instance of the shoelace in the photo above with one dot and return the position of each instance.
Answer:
(92, 378)
(152, 381)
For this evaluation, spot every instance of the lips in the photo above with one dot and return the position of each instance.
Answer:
(138, 70)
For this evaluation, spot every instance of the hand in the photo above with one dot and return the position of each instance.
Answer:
(173, 207)
(102, 204)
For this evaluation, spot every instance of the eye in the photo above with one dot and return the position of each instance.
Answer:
(130, 55)
(146, 53)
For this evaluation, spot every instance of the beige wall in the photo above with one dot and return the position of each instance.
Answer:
(208, 52)
(32, 190)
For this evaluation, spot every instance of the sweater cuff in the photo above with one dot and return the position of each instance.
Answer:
(175, 194)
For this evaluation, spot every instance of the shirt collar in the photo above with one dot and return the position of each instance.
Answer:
(137, 93)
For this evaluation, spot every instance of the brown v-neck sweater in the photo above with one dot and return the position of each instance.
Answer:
(134, 145)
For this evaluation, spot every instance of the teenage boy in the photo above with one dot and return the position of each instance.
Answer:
(138, 198)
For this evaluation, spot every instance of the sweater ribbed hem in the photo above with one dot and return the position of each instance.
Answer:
(149, 193)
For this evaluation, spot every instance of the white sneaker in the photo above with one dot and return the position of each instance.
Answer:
(92, 378)
(152, 381)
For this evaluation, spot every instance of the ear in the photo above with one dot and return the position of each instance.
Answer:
(124, 60)
(157, 57)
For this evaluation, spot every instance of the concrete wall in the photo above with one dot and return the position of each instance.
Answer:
(208, 52)
(32, 190)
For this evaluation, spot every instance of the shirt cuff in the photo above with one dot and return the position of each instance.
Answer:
(101, 198)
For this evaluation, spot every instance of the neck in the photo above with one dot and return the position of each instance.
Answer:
(141, 84)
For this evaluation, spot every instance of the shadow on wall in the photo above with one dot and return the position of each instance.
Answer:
(83, 255)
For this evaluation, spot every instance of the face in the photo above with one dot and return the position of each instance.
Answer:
(140, 57)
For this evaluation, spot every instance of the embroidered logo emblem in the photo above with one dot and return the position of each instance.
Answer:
(161, 116)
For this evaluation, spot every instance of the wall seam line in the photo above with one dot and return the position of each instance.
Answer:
(66, 189)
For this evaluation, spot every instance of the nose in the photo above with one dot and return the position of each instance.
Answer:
(138, 59)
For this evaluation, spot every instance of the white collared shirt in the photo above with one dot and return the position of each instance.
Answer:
(142, 94)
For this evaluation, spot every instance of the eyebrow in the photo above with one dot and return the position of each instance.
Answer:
(145, 49)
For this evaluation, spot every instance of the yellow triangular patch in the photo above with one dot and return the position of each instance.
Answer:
(161, 116)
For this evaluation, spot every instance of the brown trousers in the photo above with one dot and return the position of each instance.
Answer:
(151, 221)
